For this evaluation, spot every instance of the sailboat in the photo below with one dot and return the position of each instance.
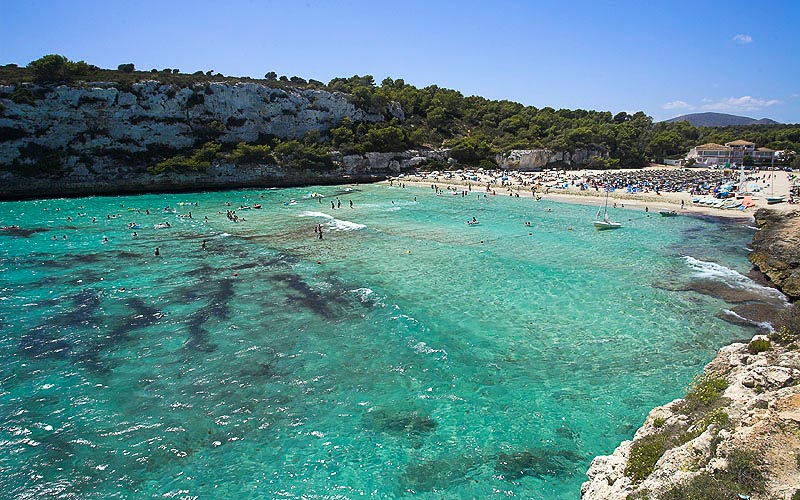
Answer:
(772, 199)
(605, 222)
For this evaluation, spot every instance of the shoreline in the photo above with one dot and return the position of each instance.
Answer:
(665, 201)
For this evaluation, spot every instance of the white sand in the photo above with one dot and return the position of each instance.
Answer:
(650, 200)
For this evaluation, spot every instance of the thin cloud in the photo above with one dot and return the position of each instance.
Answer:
(743, 39)
(727, 105)
(676, 105)
(744, 103)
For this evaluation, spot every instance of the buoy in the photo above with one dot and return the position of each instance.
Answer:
(408, 252)
(481, 241)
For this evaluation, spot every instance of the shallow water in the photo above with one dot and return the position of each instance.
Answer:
(406, 352)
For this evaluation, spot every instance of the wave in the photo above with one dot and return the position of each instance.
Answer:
(333, 223)
(762, 324)
(734, 279)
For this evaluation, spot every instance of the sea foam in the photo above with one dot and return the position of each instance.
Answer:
(718, 272)
(333, 223)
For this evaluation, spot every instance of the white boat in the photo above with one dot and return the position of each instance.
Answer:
(605, 222)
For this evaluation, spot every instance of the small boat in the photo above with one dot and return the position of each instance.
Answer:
(772, 200)
(162, 225)
(605, 222)
(244, 207)
(257, 206)
(470, 223)
(670, 213)
(9, 228)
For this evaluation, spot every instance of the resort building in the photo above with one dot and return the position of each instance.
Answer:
(733, 152)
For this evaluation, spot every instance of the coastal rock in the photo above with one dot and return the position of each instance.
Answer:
(99, 137)
(537, 159)
(776, 248)
(758, 412)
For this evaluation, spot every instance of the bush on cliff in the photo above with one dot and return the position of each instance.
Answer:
(54, 68)
(742, 475)
(788, 329)
(255, 154)
(645, 453)
(295, 154)
(704, 391)
(200, 160)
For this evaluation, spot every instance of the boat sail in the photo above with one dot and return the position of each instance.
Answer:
(605, 222)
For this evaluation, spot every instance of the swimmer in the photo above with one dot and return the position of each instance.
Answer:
(157, 252)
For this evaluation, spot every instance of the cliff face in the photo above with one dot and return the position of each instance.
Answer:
(101, 135)
(776, 249)
(536, 159)
(85, 119)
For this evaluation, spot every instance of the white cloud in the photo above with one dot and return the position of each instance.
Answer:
(744, 103)
(676, 105)
(743, 39)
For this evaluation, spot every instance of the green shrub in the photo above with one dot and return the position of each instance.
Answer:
(796, 495)
(742, 475)
(744, 468)
(781, 335)
(658, 422)
(644, 455)
(199, 160)
(22, 95)
(758, 346)
(704, 390)
(247, 154)
(790, 321)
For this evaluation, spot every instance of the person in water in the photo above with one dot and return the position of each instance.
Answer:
(158, 253)
(203, 246)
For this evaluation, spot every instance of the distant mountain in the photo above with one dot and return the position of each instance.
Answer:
(719, 120)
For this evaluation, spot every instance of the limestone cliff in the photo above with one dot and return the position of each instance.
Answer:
(103, 137)
(689, 448)
(776, 248)
(537, 159)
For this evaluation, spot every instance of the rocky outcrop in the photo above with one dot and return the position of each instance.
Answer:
(100, 137)
(776, 248)
(759, 412)
(537, 159)
(93, 118)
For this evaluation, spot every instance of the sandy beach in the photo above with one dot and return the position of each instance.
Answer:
(519, 183)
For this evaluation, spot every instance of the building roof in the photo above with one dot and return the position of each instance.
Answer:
(765, 150)
(740, 142)
(711, 146)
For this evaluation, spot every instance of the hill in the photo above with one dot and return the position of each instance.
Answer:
(719, 120)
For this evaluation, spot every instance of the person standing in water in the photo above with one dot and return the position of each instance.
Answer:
(158, 253)
(351, 203)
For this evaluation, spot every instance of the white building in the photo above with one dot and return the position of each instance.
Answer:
(732, 153)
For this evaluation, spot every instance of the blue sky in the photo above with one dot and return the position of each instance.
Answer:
(664, 58)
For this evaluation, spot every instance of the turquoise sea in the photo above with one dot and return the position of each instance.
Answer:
(405, 354)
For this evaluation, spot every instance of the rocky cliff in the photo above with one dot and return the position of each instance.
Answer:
(737, 432)
(776, 249)
(537, 159)
(101, 138)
